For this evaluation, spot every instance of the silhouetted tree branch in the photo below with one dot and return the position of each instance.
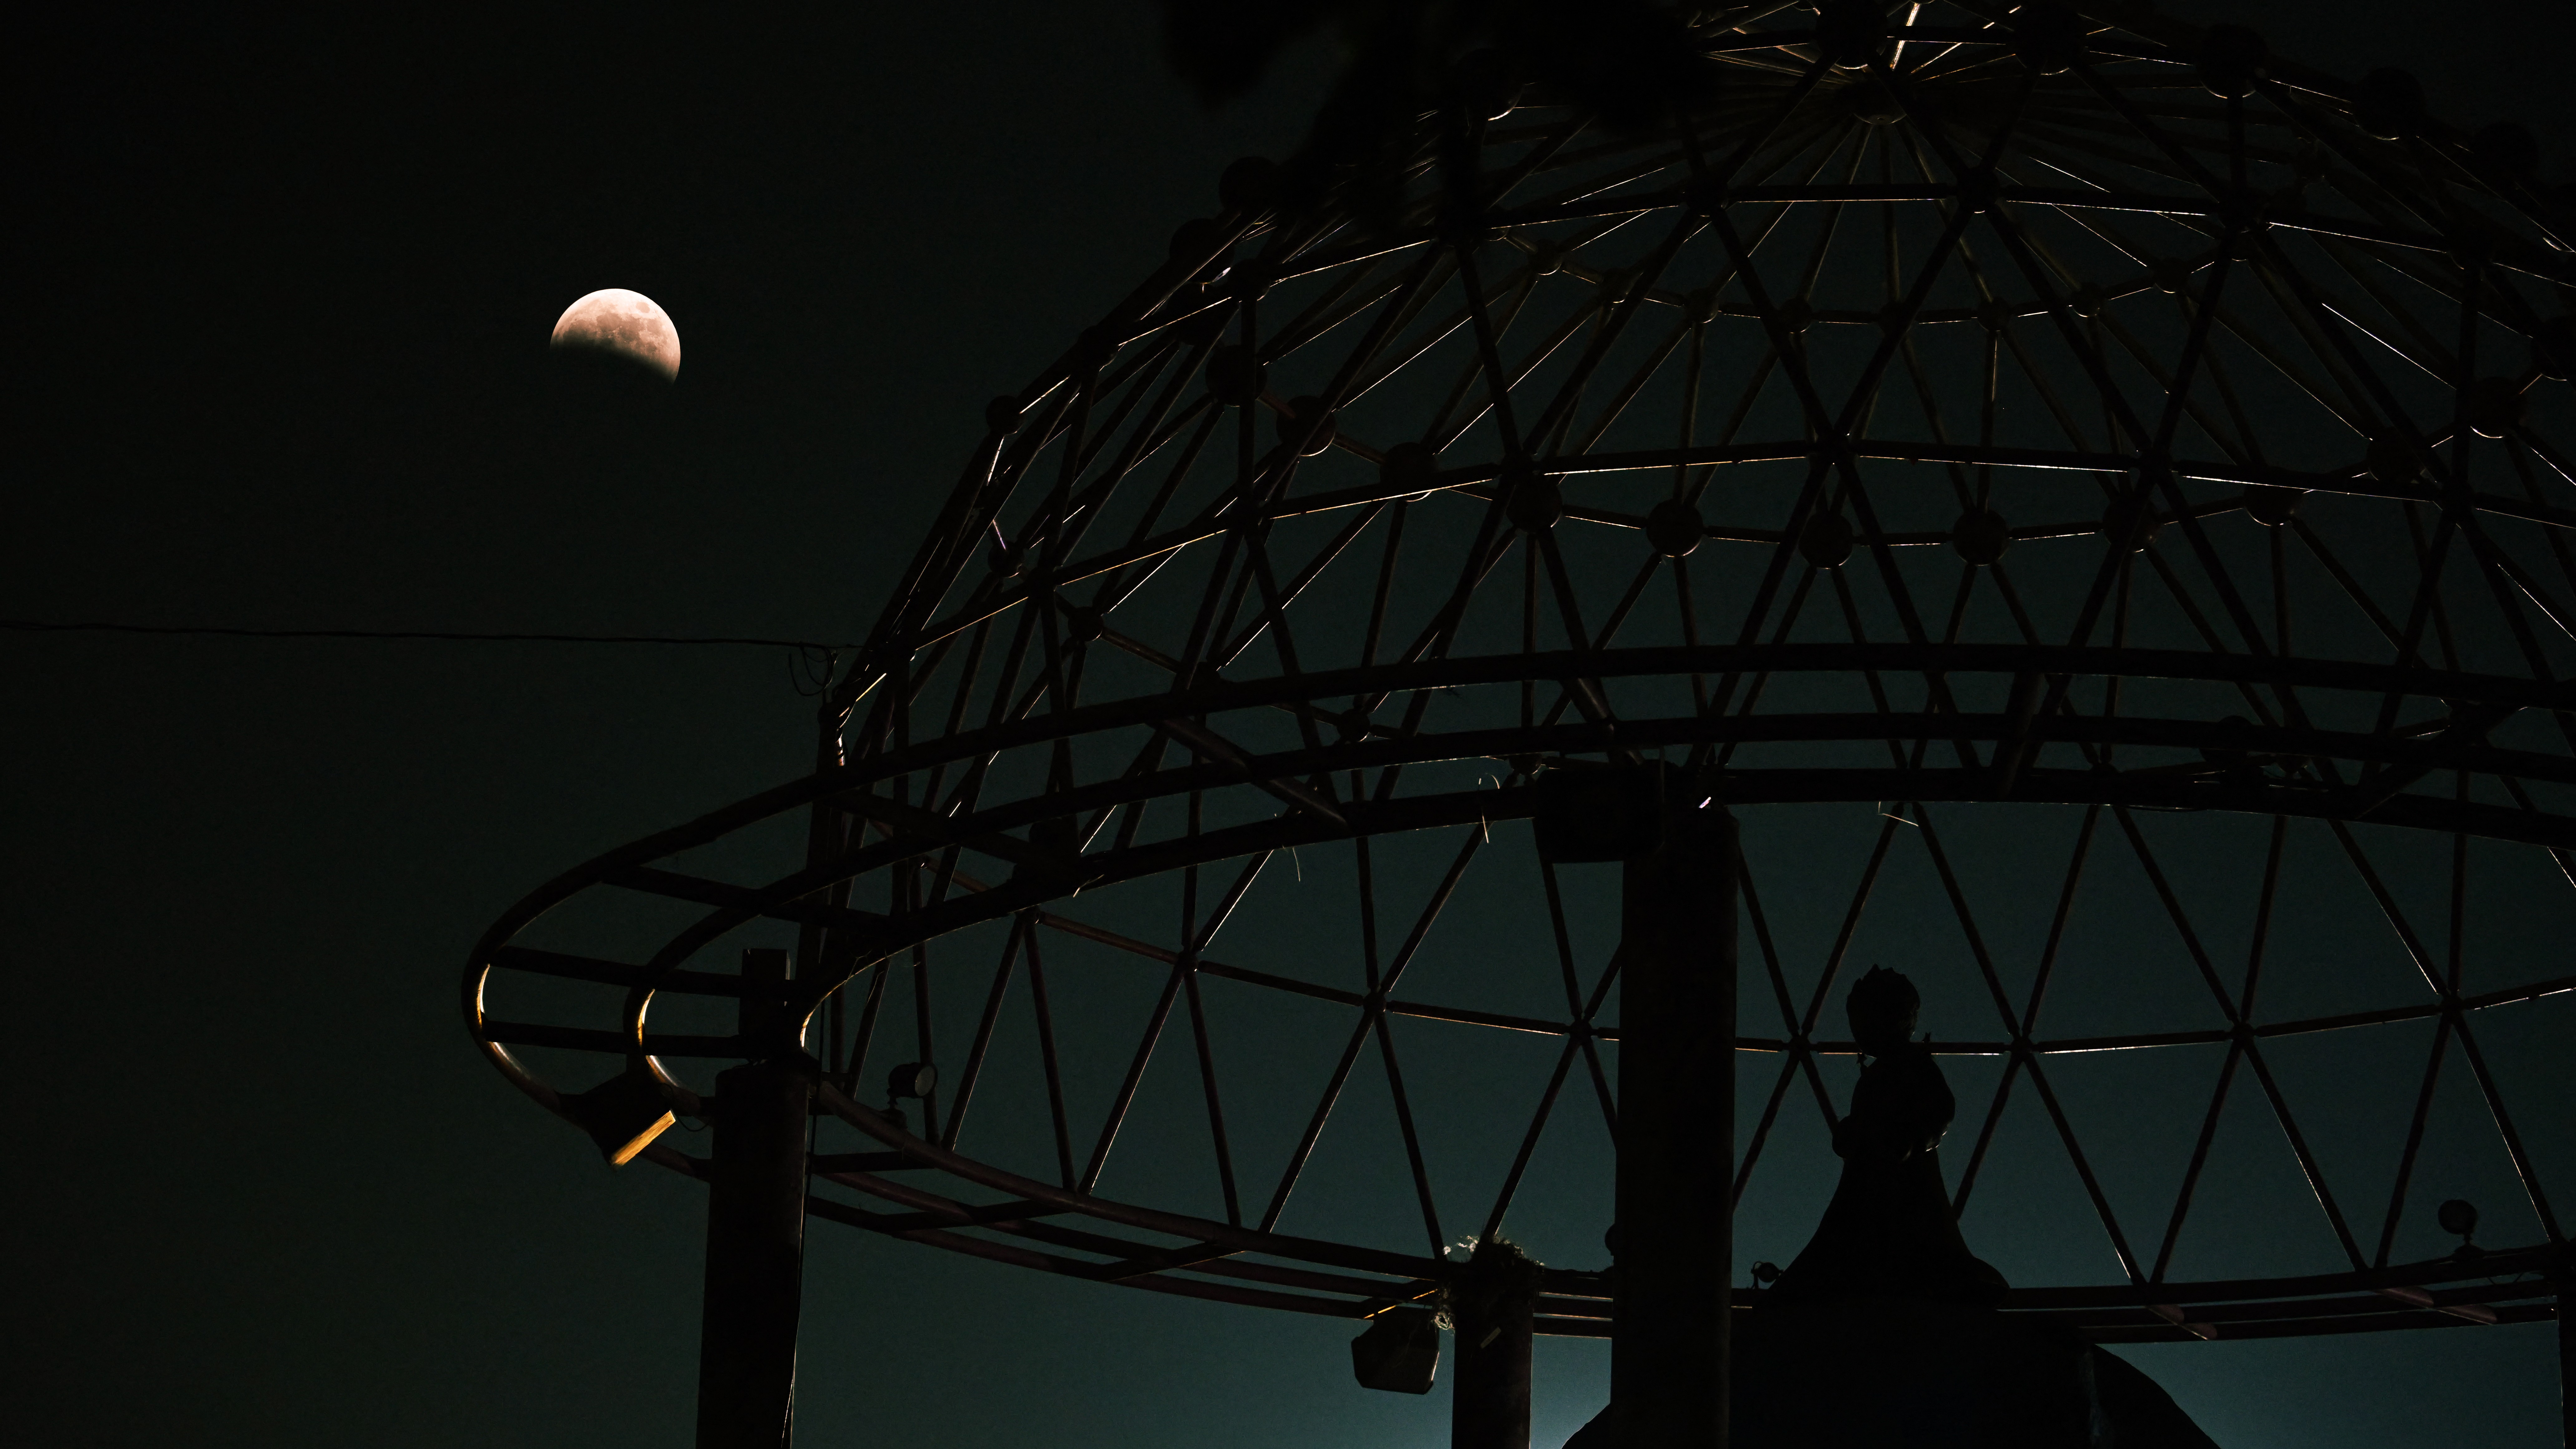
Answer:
(1630, 62)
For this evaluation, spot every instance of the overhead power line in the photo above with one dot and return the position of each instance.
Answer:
(51, 627)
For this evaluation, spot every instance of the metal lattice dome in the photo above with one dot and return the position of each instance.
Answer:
(2093, 500)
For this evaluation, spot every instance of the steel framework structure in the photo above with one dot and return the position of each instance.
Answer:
(2075, 440)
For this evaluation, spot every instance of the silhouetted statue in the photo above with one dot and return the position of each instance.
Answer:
(1889, 1231)
(1886, 1333)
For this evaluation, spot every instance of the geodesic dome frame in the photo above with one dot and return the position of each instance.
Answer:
(2045, 412)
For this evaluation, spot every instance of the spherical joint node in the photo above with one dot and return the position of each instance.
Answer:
(2131, 522)
(1981, 536)
(1307, 426)
(1235, 374)
(1705, 197)
(1674, 528)
(1481, 85)
(1002, 414)
(1531, 499)
(1082, 624)
(2231, 61)
(2493, 406)
(1851, 33)
(1993, 313)
(1977, 189)
(2229, 757)
(2389, 104)
(2048, 39)
(2271, 505)
(1826, 540)
(1408, 470)
(1796, 316)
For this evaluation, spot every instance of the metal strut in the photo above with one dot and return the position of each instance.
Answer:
(1493, 1307)
(1674, 1241)
(756, 1226)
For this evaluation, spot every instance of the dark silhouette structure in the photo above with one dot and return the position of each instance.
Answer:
(1492, 1306)
(2058, 452)
(1890, 1232)
(1885, 1330)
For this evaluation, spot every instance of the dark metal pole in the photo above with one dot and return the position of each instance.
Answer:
(1493, 1306)
(2567, 1356)
(755, 1227)
(1676, 1242)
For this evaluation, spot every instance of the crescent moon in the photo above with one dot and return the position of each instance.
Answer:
(626, 323)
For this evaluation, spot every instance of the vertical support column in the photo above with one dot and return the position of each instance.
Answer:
(1493, 1306)
(1676, 1241)
(755, 1227)
(2567, 1355)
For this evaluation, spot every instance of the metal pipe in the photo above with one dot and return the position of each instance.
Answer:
(1493, 1305)
(1675, 1241)
(755, 1229)
(2567, 1356)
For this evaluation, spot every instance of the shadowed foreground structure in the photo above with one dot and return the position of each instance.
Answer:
(2107, 463)
(1889, 1230)
(1885, 1330)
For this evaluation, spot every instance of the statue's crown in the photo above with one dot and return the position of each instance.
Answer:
(1881, 990)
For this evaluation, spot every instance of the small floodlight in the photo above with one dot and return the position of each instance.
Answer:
(916, 1080)
(1400, 1353)
(2460, 1216)
(623, 1114)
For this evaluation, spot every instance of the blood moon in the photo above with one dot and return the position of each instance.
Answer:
(624, 324)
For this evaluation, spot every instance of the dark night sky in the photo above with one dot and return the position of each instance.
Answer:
(281, 290)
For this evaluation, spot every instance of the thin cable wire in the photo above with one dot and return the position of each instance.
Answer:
(43, 626)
